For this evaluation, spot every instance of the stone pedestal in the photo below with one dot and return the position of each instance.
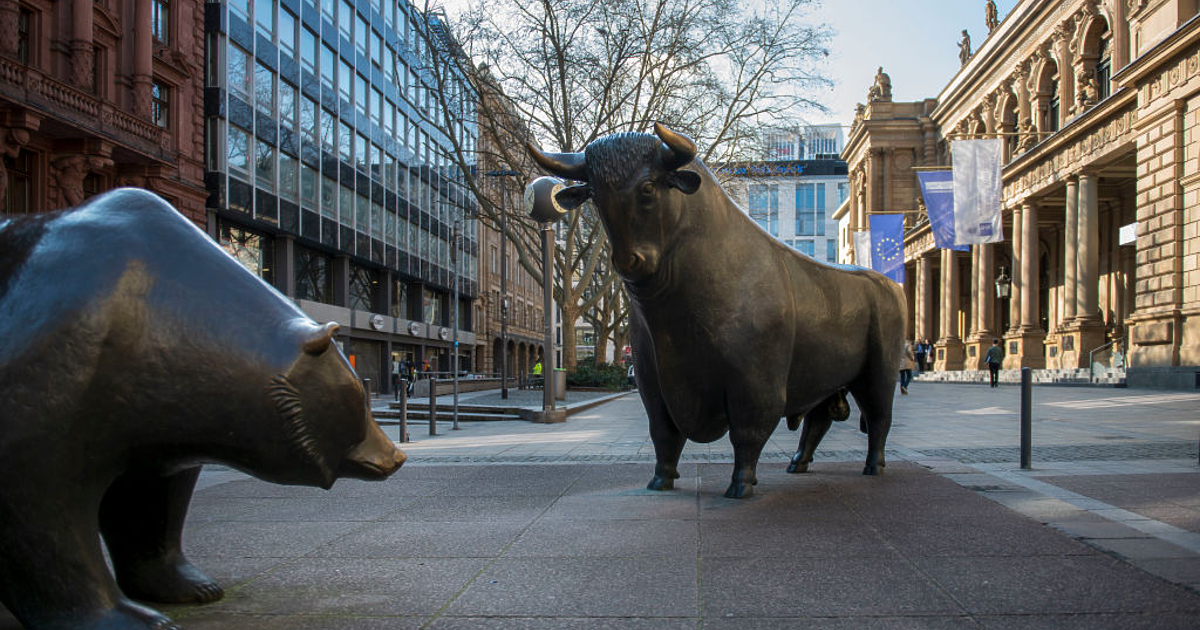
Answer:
(976, 349)
(1076, 340)
(545, 417)
(948, 354)
(1024, 349)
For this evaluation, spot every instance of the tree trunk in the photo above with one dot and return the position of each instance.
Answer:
(602, 346)
(569, 313)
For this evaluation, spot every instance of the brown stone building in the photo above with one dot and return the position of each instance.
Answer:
(1098, 103)
(96, 94)
(501, 145)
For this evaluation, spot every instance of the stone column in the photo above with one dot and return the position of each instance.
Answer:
(83, 61)
(1070, 241)
(1029, 336)
(1088, 257)
(925, 298)
(982, 263)
(1088, 319)
(143, 58)
(1029, 266)
(949, 346)
(1014, 300)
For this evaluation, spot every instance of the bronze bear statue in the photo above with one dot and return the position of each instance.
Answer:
(133, 349)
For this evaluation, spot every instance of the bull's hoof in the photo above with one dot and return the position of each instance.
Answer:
(793, 423)
(739, 490)
(873, 469)
(797, 467)
(661, 483)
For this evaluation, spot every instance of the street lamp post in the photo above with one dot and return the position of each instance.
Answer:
(544, 208)
(454, 300)
(548, 362)
(503, 279)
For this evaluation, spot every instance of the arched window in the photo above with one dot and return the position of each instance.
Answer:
(1048, 98)
(1104, 68)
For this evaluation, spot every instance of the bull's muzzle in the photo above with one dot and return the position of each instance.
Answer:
(375, 458)
(630, 265)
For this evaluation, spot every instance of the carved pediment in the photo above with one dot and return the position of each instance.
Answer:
(105, 20)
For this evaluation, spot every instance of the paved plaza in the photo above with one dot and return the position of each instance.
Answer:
(519, 525)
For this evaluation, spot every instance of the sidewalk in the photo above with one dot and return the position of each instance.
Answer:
(517, 525)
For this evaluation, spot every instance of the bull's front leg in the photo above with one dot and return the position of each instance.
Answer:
(748, 443)
(668, 446)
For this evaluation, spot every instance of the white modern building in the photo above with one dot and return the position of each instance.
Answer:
(795, 190)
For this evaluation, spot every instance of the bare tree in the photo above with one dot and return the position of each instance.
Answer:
(570, 71)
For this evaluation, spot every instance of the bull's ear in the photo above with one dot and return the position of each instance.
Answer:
(319, 338)
(686, 181)
(572, 197)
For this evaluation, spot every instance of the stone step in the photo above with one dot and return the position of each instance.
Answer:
(446, 413)
(1113, 377)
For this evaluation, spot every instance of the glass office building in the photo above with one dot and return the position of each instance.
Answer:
(329, 174)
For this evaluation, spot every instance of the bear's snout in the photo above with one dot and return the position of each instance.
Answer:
(373, 459)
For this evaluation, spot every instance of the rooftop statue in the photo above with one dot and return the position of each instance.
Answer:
(731, 329)
(964, 48)
(881, 90)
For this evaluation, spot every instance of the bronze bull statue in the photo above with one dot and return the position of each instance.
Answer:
(731, 329)
(133, 350)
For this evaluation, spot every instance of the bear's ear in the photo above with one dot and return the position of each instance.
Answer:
(319, 339)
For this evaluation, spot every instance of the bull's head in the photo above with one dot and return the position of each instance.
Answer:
(635, 181)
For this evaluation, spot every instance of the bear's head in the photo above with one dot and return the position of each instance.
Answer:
(321, 407)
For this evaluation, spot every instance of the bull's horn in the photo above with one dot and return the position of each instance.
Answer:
(679, 150)
(570, 166)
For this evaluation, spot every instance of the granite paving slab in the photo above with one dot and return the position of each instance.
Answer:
(585, 545)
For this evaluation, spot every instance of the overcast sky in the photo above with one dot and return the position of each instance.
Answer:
(916, 42)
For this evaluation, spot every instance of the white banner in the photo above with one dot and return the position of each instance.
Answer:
(862, 249)
(977, 214)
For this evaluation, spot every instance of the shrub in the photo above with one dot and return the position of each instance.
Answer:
(588, 373)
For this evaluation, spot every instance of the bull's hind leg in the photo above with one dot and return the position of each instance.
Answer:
(875, 402)
(816, 424)
(141, 518)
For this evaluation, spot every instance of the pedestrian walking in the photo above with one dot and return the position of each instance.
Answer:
(995, 356)
(907, 363)
(920, 352)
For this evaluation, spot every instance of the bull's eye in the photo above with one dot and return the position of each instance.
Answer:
(646, 188)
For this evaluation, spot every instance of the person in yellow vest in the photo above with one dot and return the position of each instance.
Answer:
(537, 368)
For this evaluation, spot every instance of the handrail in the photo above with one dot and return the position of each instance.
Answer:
(1092, 354)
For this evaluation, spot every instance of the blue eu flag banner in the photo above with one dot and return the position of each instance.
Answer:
(937, 188)
(887, 245)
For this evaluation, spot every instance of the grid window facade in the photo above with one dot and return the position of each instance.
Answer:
(319, 135)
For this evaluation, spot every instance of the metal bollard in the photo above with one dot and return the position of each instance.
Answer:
(433, 406)
(402, 396)
(1026, 417)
